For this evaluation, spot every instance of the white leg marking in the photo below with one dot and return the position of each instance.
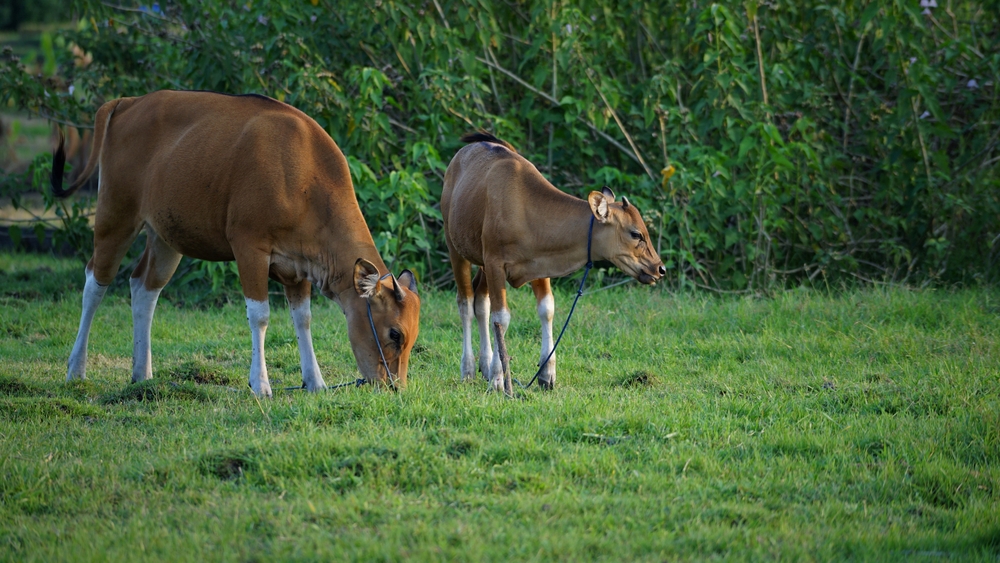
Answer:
(468, 355)
(302, 319)
(496, 368)
(482, 306)
(93, 293)
(143, 306)
(546, 309)
(258, 314)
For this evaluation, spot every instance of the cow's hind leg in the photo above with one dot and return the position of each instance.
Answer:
(462, 270)
(546, 309)
(496, 279)
(113, 235)
(482, 308)
(253, 265)
(156, 265)
(93, 293)
(298, 302)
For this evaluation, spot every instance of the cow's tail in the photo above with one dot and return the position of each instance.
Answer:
(101, 122)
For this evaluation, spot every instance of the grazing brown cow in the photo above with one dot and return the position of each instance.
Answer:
(243, 178)
(501, 214)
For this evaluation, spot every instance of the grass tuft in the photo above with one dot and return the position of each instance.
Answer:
(202, 372)
(155, 390)
(462, 446)
(11, 386)
(228, 465)
(83, 389)
(641, 378)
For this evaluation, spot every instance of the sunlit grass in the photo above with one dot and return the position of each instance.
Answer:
(862, 425)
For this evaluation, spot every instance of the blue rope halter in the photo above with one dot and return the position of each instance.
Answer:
(378, 342)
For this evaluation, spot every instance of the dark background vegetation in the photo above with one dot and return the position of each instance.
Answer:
(15, 13)
(813, 142)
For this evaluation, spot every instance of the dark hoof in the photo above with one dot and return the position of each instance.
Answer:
(546, 385)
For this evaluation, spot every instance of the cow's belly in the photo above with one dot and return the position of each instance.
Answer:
(468, 246)
(191, 237)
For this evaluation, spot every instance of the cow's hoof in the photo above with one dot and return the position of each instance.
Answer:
(496, 384)
(263, 391)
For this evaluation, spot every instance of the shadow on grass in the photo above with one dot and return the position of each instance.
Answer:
(80, 389)
(155, 390)
(41, 408)
(14, 387)
(228, 465)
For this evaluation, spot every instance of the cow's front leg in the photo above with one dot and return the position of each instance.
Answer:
(156, 265)
(298, 303)
(546, 309)
(258, 315)
(253, 265)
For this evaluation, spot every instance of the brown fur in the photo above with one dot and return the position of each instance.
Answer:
(243, 178)
(501, 214)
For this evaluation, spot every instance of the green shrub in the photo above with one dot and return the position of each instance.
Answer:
(811, 142)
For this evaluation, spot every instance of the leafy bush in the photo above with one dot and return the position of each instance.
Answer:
(810, 141)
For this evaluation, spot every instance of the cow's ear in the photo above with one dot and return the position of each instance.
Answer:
(408, 280)
(365, 278)
(608, 194)
(599, 206)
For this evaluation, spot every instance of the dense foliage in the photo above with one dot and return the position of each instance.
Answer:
(811, 140)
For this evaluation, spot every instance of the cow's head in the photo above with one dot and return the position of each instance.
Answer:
(395, 313)
(621, 235)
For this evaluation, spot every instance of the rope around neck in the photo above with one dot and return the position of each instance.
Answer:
(579, 293)
(388, 374)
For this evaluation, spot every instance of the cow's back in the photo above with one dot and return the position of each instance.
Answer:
(202, 167)
(487, 196)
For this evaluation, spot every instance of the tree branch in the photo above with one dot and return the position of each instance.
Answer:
(554, 102)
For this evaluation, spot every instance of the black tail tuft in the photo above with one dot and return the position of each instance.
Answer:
(58, 166)
(484, 137)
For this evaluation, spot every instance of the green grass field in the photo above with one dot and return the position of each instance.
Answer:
(860, 425)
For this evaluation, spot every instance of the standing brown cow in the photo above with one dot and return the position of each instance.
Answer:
(501, 214)
(243, 178)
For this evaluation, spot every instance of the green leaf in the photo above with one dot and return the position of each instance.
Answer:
(14, 231)
(746, 144)
(869, 14)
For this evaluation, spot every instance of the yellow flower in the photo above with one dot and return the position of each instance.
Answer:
(667, 173)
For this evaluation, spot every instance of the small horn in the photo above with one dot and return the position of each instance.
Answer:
(398, 291)
(625, 203)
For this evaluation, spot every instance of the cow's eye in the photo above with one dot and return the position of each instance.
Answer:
(395, 336)
(636, 235)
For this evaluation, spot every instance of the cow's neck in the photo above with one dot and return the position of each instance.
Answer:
(341, 278)
(558, 224)
(330, 265)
